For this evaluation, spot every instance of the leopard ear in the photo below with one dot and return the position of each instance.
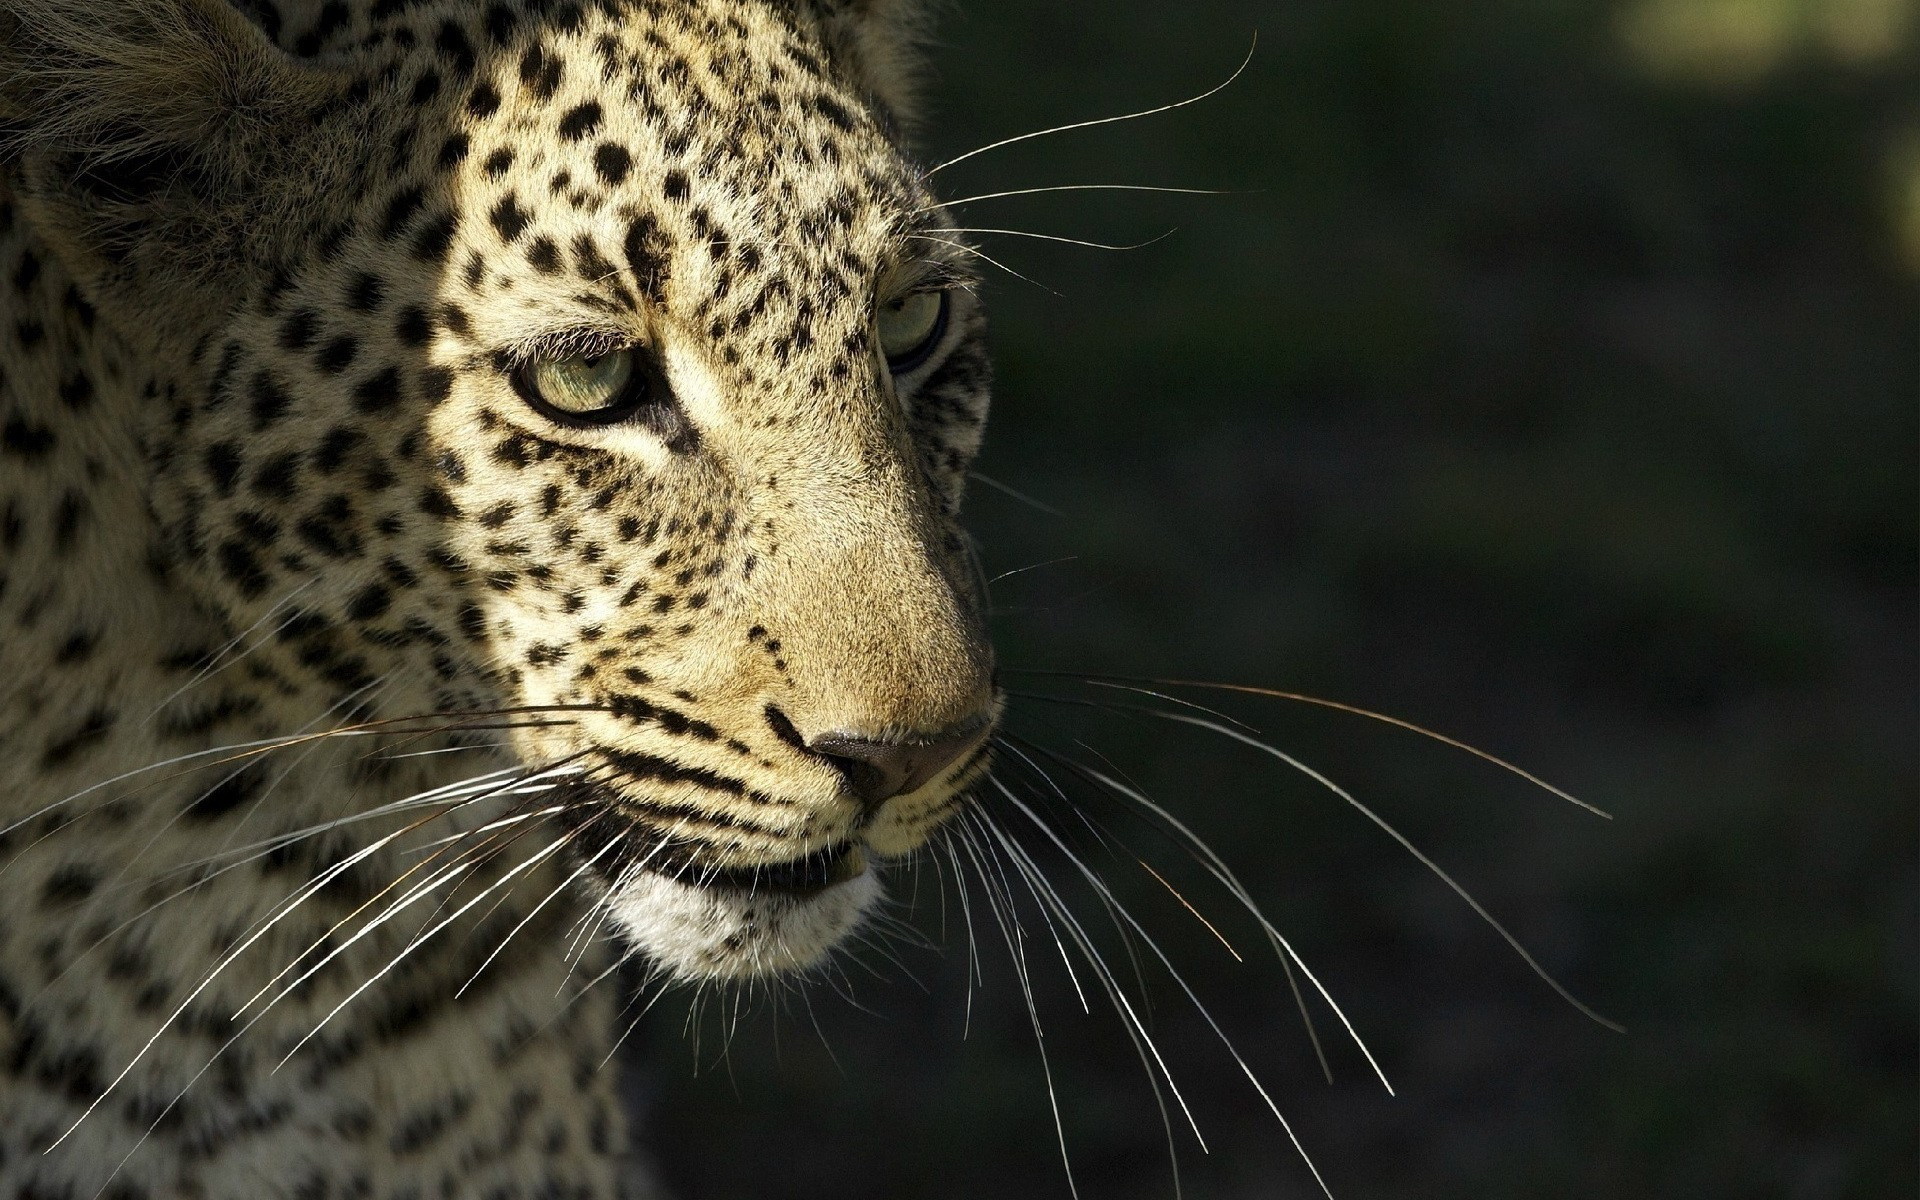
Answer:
(880, 43)
(160, 145)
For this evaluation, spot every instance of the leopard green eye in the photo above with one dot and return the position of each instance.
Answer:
(909, 328)
(598, 389)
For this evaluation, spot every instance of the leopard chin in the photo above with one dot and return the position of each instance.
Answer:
(749, 922)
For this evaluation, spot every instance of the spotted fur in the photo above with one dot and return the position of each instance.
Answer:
(272, 272)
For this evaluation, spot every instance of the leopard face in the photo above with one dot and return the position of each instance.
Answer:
(618, 384)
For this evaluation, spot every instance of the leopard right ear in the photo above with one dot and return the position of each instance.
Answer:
(161, 146)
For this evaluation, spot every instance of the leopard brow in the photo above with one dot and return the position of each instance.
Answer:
(580, 341)
(932, 275)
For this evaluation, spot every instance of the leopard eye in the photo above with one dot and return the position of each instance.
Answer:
(909, 328)
(597, 389)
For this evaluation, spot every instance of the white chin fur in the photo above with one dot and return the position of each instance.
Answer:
(697, 934)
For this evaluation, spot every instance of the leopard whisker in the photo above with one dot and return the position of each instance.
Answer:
(1122, 681)
(436, 876)
(983, 256)
(1073, 187)
(1099, 885)
(264, 926)
(1008, 490)
(1015, 936)
(535, 910)
(1016, 852)
(1507, 936)
(212, 664)
(534, 860)
(1145, 112)
(187, 1087)
(1055, 237)
(973, 943)
(241, 751)
(258, 850)
(1130, 1023)
(1213, 864)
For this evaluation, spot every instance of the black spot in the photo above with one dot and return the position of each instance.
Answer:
(66, 519)
(337, 355)
(223, 797)
(647, 256)
(366, 292)
(580, 121)
(435, 239)
(544, 256)
(69, 885)
(500, 22)
(454, 150)
(675, 185)
(540, 73)
(412, 326)
(77, 393)
(425, 88)
(297, 330)
(242, 569)
(63, 750)
(78, 647)
(27, 441)
(508, 219)
(436, 383)
(435, 502)
(372, 601)
(484, 101)
(276, 476)
(267, 399)
(223, 466)
(27, 272)
(499, 162)
(334, 448)
(473, 622)
(452, 44)
(612, 162)
(400, 210)
(834, 112)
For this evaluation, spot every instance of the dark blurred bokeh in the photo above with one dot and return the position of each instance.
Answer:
(1550, 378)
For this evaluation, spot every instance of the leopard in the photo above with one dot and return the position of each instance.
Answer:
(480, 494)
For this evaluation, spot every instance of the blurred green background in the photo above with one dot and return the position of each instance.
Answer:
(1550, 378)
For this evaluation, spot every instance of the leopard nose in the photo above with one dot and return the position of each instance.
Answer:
(877, 771)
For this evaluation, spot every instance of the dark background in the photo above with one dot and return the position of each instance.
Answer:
(1552, 381)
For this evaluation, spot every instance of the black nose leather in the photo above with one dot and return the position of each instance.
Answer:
(877, 771)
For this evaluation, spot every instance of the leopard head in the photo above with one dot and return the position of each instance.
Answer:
(603, 362)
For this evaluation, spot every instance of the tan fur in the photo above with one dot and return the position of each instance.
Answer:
(270, 475)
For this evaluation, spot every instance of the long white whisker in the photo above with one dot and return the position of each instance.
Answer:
(1018, 854)
(1130, 1023)
(1094, 879)
(1015, 936)
(1006, 490)
(532, 861)
(218, 660)
(1072, 187)
(1054, 237)
(1283, 949)
(1145, 112)
(534, 912)
(983, 256)
(1410, 848)
(285, 908)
